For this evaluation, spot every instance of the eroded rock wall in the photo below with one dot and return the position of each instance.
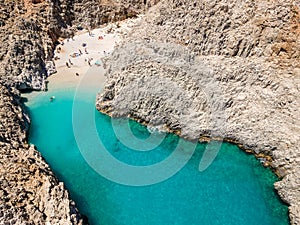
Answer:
(231, 28)
(29, 31)
(91, 14)
(29, 192)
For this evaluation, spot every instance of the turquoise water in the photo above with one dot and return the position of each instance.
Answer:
(235, 189)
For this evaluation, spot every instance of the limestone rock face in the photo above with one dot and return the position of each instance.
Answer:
(14, 123)
(230, 28)
(93, 13)
(226, 69)
(29, 31)
(27, 38)
(29, 192)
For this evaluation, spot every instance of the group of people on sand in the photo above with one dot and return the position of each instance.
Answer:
(69, 63)
(74, 55)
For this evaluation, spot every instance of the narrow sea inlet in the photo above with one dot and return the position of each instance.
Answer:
(235, 189)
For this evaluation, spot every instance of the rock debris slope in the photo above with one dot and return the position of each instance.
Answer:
(29, 31)
(217, 69)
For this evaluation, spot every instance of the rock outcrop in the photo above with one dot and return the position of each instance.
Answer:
(231, 28)
(92, 14)
(29, 31)
(29, 192)
(217, 69)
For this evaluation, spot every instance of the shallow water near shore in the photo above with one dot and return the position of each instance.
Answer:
(235, 189)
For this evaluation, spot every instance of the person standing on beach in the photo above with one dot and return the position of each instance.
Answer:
(70, 62)
(67, 64)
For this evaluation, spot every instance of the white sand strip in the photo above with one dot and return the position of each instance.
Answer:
(81, 55)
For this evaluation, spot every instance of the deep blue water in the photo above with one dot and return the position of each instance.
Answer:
(235, 189)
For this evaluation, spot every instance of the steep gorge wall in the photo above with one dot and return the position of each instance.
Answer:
(30, 29)
(29, 191)
(231, 28)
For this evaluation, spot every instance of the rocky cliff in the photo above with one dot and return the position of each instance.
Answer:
(217, 69)
(29, 192)
(248, 50)
(29, 31)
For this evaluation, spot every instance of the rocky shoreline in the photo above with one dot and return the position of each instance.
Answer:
(226, 69)
(29, 192)
(249, 48)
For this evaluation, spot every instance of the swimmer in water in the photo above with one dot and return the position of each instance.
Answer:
(52, 98)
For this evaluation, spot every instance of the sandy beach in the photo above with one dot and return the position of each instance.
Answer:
(79, 58)
(82, 56)
(75, 57)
